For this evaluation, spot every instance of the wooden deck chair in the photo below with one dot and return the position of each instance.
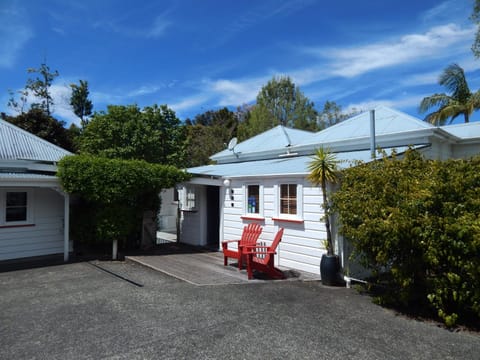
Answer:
(250, 235)
(261, 258)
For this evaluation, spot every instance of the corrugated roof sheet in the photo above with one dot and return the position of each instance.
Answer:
(387, 121)
(280, 166)
(16, 143)
(27, 176)
(464, 131)
(278, 137)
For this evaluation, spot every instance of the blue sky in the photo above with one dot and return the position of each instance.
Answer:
(198, 55)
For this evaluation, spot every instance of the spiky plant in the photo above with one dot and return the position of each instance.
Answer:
(323, 169)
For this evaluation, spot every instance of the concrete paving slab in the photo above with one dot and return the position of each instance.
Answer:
(206, 268)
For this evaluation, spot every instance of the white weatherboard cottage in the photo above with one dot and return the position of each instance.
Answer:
(263, 180)
(34, 212)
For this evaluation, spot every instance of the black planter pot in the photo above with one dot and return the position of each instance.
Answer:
(330, 270)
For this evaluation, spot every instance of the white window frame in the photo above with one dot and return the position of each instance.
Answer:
(3, 207)
(261, 206)
(277, 190)
(189, 198)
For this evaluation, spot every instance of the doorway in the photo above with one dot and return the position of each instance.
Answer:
(213, 217)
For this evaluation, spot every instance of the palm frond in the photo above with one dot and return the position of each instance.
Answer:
(434, 100)
(453, 78)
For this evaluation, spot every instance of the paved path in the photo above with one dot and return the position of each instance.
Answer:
(121, 310)
(205, 268)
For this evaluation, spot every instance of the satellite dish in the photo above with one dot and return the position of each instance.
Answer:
(232, 143)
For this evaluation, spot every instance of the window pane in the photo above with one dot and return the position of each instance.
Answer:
(16, 214)
(288, 199)
(16, 199)
(253, 197)
(16, 209)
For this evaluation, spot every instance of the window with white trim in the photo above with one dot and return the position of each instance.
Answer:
(189, 199)
(253, 199)
(289, 201)
(16, 207)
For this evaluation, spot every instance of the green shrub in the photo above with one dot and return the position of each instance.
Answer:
(114, 194)
(414, 223)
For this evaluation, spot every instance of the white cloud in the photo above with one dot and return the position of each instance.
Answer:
(14, 35)
(144, 90)
(158, 28)
(61, 102)
(401, 102)
(188, 103)
(238, 92)
(449, 9)
(354, 61)
(61, 98)
(123, 26)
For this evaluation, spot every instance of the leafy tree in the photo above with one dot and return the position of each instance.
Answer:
(475, 17)
(332, 114)
(208, 133)
(281, 102)
(37, 122)
(18, 105)
(81, 104)
(40, 87)
(153, 134)
(461, 101)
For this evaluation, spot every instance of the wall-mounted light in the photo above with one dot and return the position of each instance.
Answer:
(227, 182)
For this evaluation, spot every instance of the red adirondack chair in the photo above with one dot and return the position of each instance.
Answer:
(250, 235)
(261, 258)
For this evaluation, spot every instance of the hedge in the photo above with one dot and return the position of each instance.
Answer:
(415, 224)
(113, 194)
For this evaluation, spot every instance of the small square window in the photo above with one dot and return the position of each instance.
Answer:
(288, 199)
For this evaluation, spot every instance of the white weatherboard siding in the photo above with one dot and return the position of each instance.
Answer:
(44, 236)
(193, 229)
(301, 246)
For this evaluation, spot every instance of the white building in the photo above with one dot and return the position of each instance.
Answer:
(263, 180)
(34, 212)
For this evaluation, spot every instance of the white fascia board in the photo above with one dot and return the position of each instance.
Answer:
(406, 138)
(214, 181)
(28, 165)
(25, 182)
(302, 174)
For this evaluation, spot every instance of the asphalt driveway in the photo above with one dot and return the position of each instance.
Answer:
(121, 310)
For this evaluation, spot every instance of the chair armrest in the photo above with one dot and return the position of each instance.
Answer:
(256, 246)
(261, 252)
(226, 242)
(230, 241)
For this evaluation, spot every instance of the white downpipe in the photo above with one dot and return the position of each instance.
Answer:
(66, 227)
(114, 249)
(372, 133)
(349, 279)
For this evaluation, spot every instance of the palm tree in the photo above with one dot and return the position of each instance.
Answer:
(461, 101)
(323, 168)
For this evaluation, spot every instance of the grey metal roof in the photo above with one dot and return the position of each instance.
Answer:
(16, 143)
(464, 131)
(387, 121)
(279, 137)
(26, 176)
(280, 166)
